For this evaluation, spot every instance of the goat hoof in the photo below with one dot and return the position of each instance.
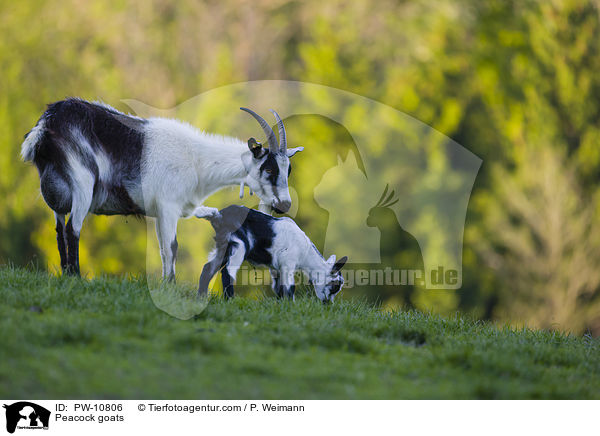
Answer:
(71, 271)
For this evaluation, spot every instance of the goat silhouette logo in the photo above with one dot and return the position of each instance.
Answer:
(26, 415)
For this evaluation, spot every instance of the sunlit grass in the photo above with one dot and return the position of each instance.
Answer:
(179, 300)
(105, 338)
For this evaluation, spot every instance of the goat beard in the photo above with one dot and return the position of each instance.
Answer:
(265, 208)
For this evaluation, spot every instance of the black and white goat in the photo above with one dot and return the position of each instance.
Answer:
(278, 243)
(93, 158)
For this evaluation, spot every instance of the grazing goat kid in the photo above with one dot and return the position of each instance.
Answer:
(94, 159)
(278, 243)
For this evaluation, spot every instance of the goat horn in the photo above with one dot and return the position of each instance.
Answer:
(273, 146)
(282, 137)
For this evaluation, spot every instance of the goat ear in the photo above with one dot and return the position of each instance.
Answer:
(331, 259)
(292, 151)
(339, 264)
(255, 147)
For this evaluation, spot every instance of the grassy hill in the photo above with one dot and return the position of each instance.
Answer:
(104, 338)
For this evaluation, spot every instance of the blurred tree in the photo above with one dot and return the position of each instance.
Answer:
(539, 234)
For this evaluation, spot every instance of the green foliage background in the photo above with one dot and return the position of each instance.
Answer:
(515, 82)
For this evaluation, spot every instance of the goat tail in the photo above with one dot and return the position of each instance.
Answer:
(32, 141)
(211, 214)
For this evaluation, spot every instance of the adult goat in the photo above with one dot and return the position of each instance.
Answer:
(93, 158)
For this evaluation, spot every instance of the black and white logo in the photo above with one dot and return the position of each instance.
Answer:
(26, 415)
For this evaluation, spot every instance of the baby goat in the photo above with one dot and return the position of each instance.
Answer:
(247, 234)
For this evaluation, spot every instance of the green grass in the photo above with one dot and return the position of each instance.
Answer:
(104, 338)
